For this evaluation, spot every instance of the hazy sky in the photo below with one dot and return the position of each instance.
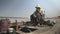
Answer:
(24, 8)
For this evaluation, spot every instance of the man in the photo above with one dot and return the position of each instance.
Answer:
(4, 25)
(38, 16)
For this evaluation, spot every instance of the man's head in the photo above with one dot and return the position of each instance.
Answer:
(38, 7)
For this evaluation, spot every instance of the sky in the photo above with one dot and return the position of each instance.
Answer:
(24, 8)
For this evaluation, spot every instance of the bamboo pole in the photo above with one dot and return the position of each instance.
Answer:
(16, 25)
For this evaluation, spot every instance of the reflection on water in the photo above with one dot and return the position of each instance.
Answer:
(55, 20)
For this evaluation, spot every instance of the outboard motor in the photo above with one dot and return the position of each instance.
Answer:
(50, 23)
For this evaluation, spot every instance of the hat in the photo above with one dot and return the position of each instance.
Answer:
(37, 6)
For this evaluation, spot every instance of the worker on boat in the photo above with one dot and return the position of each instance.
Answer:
(38, 16)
